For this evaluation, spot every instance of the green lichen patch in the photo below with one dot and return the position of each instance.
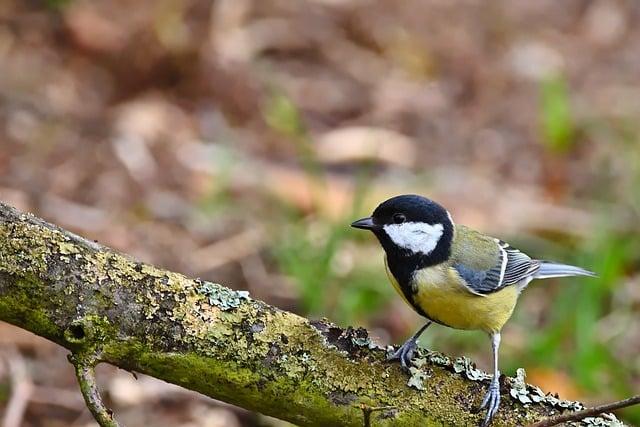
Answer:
(529, 394)
(222, 297)
(604, 420)
(19, 252)
(525, 393)
(438, 359)
(417, 377)
(519, 389)
(463, 365)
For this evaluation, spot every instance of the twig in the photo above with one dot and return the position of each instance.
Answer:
(87, 380)
(589, 412)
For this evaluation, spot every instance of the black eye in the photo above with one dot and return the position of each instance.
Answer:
(399, 218)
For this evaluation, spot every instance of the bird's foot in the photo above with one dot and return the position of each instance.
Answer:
(491, 400)
(404, 354)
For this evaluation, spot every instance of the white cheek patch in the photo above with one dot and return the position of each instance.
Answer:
(415, 236)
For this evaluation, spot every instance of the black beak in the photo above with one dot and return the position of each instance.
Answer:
(364, 223)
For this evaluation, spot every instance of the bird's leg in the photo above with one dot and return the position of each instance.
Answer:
(492, 398)
(406, 350)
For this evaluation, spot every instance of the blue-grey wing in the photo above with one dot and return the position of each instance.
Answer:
(512, 267)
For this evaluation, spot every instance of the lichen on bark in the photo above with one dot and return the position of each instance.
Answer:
(220, 342)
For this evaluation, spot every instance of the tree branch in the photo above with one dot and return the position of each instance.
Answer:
(221, 343)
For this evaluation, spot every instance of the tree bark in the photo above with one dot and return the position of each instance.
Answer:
(105, 307)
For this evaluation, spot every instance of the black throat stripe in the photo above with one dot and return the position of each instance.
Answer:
(403, 270)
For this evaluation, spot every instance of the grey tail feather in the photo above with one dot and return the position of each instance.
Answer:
(550, 269)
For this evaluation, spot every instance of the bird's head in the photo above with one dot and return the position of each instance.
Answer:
(411, 226)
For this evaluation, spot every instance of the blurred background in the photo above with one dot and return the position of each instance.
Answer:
(236, 140)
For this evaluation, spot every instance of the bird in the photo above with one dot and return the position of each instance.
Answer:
(453, 275)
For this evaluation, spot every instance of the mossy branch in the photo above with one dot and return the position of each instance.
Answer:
(219, 342)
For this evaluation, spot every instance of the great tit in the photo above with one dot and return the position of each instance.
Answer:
(453, 275)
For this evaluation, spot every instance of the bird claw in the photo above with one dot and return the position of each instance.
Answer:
(404, 354)
(491, 401)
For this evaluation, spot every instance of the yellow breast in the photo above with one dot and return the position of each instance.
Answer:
(440, 293)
